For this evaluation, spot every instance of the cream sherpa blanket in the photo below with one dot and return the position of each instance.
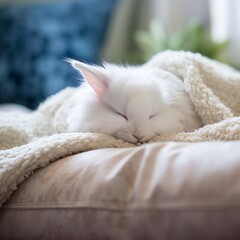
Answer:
(29, 141)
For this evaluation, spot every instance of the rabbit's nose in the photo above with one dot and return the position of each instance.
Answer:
(138, 138)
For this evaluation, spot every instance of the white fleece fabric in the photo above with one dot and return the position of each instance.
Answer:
(32, 140)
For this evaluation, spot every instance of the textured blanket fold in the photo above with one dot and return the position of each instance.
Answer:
(32, 140)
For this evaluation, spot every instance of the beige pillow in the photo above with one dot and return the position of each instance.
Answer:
(155, 191)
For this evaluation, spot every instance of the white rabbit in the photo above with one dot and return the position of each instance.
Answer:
(133, 103)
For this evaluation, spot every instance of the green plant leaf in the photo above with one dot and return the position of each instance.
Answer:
(193, 37)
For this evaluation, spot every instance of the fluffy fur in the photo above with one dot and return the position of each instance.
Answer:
(130, 103)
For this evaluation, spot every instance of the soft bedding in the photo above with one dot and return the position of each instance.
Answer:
(164, 191)
(32, 140)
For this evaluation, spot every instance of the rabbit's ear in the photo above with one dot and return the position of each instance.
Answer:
(96, 76)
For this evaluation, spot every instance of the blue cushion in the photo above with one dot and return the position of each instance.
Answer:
(36, 38)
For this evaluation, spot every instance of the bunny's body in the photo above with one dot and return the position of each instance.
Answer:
(130, 103)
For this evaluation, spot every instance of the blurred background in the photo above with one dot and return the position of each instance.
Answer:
(37, 35)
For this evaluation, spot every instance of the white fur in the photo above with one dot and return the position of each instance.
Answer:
(153, 101)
